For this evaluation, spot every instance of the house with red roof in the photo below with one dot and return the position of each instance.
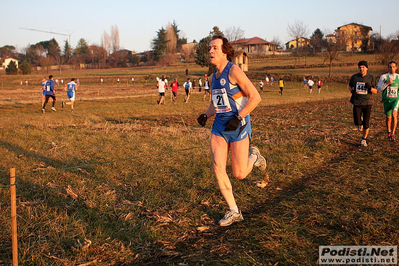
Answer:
(255, 46)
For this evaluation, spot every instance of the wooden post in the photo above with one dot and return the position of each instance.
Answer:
(14, 218)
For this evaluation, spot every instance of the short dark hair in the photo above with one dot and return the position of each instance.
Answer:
(50, 77)
(72, 79)
(363, 63)
(227, 48)
(393, 62)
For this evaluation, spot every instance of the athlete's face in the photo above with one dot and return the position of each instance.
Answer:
(363, 70)
(392, 68)
(215, 51)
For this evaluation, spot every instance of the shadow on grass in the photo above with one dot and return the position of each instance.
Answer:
(60, 165)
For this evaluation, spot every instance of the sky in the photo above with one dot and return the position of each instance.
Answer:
(139, 21)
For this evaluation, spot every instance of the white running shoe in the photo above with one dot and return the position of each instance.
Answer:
(231, 217)
(260, 161)
(53, 109)
(43, 111)
(363, 143)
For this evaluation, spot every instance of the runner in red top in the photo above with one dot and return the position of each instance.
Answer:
(319, 85)
(175, 87)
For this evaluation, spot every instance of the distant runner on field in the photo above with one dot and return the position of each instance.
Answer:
(71, 88)
(50, 93)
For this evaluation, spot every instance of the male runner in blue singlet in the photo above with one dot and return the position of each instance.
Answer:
(233, 98)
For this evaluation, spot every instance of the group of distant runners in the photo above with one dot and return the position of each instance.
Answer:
(162, 86)
(310, 83)
(48, 91)
(307, 83)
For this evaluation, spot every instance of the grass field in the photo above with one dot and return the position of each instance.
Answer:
(122, 181)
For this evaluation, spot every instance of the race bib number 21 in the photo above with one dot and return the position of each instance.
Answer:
(220, 101)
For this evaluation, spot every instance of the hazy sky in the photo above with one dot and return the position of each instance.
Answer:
(138, 21)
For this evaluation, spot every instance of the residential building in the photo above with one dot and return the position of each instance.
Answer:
(354, 37)
(6, 61)
(255, 46)
(300, 42)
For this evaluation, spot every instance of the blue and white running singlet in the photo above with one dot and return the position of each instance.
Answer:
(71, 89)
(228, 99)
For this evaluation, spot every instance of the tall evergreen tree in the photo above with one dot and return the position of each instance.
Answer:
(25, 68)
(31, 55)
(12, 68)
(159, 47)
(54, 50)
(82, 51)
(317, 40)
(82, 47)
(67, 51)
(201, 54)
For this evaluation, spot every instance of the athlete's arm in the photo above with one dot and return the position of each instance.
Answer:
(52, 85)
(382, 85)
(373, 89)
(210, 111)
(237, 76)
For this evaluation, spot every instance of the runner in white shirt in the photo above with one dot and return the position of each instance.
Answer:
(161, 85)
(310, 84)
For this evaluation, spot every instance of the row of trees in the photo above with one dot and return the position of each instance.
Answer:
(168, 42)
(47, 53)
(109, 54)
(167, 47)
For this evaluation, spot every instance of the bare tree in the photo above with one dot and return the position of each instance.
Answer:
(297, 30)
(98, 56)
(115, 38)
(233, 34)
(330, 55)
(106, 42)
(388, 51)
(332, 52)
(276, 40)
(172, 39)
